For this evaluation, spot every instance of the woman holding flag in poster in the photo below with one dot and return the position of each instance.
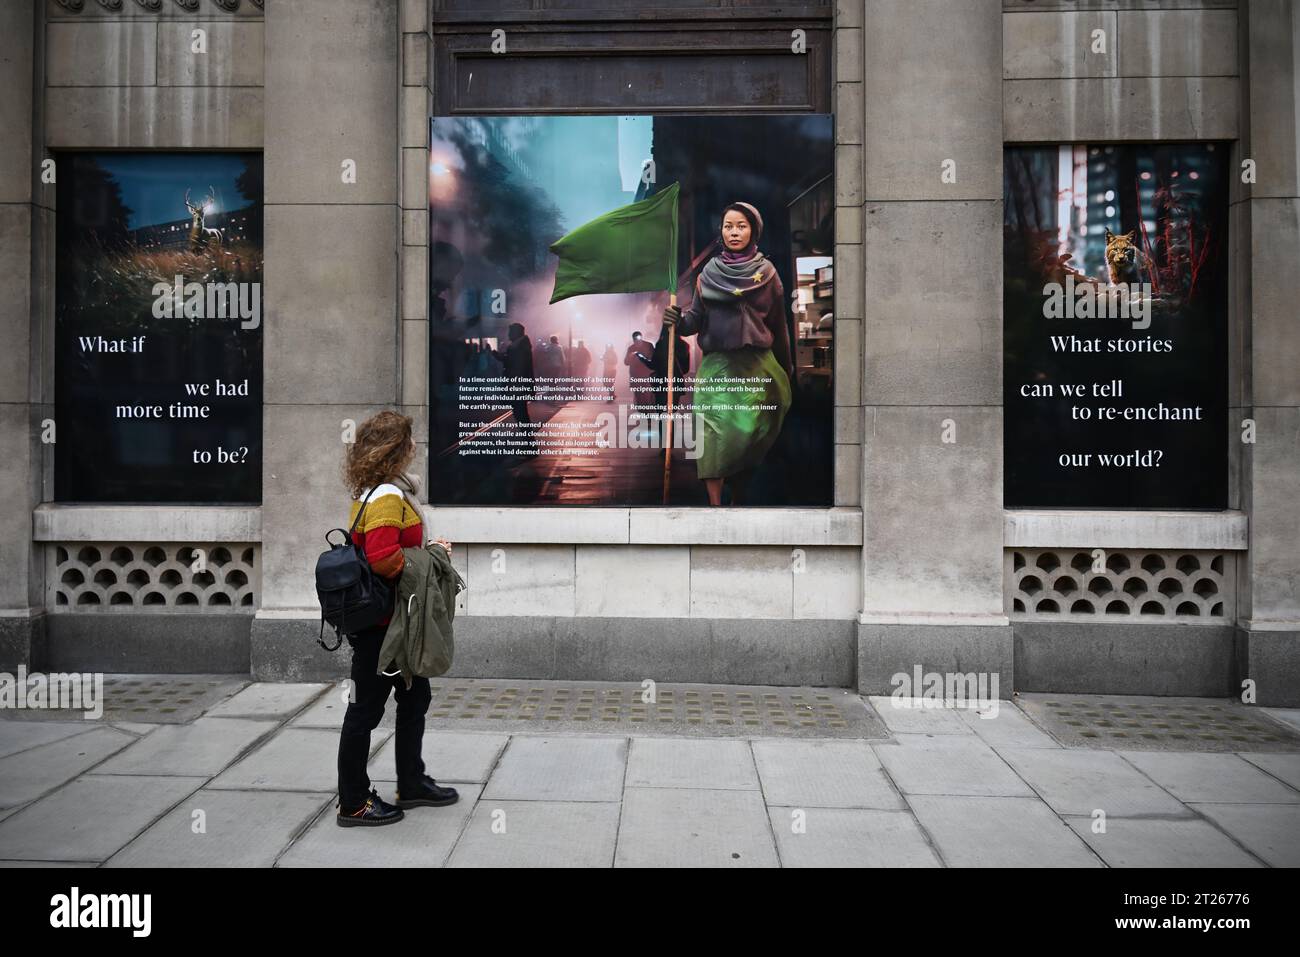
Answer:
(739, 315)
(742, 389)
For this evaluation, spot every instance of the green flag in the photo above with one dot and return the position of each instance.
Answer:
(629, 249)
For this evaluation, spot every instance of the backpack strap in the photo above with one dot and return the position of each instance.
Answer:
(320, 639)
(361, 511)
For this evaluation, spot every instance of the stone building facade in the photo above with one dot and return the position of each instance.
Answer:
(918, 562)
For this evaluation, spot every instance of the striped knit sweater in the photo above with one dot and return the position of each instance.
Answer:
(390, 524)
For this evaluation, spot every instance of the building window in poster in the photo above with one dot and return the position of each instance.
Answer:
(1115, 326)
(158, 347)
(556, 246)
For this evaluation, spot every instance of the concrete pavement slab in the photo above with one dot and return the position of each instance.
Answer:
(694, 827)
(1288, 716)
(538, 834)
(200, 749)
(1269, 831)
(1079, 781)
(134, 727)
(949, 764)
(91, 818)
(1154, 842)
(805, 774)
(327, 711)
(29, 774)
(559, 769)
(851, 837)
(915, 716)
(448, 755)
(999, 832)
(266, 699)
(691, 763)
(1007, 727)
(1285, 767)
(296, 759)
(1211, 778)
(239, 829)
(18, 736)
(423, 838)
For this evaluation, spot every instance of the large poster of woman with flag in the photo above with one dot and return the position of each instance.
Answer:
(631, 310)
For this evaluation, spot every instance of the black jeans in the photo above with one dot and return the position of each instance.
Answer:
(366, 710)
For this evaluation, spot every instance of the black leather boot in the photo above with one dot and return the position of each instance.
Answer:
(374, 813)
(427, 793)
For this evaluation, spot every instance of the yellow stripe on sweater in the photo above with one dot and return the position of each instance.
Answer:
(392, 511)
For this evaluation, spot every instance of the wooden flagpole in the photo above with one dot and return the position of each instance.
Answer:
(672, 368)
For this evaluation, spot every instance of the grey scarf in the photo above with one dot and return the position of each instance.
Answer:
(723, 281)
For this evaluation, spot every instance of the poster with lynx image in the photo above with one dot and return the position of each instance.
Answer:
(556, 246)
(158, 327)
(1116, 326)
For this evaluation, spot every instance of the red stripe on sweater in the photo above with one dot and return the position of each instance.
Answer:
(383, 548)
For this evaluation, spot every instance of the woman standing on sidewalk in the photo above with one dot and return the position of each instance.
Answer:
(739, 315)
(375, 472)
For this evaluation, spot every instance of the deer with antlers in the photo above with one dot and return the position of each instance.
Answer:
(201, 237)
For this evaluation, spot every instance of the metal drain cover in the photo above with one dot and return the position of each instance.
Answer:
(1132, 723)
(148, 699)
(618, 708)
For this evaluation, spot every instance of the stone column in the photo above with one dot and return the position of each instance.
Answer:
(849, 93)
(932, 343)
(25, 215)
(331, 277)
(1269, 600)
(413, 138)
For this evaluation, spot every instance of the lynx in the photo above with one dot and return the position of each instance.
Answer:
(1122, 258)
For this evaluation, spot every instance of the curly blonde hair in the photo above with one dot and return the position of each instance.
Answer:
(381, 452)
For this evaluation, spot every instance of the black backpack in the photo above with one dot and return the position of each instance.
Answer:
(352, 597)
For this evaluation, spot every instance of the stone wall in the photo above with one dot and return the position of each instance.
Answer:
(909, 566)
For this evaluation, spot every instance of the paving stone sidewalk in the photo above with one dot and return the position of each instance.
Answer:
(250, 782)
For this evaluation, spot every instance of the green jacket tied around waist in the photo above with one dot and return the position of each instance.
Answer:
(418, 642)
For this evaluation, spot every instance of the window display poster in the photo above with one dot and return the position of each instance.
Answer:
(555, 245)
(1116, 326)
(158, 327)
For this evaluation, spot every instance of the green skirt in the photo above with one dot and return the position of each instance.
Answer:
(732, 429)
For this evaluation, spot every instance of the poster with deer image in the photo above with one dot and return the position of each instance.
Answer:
(158, 327)
(1115, 307)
